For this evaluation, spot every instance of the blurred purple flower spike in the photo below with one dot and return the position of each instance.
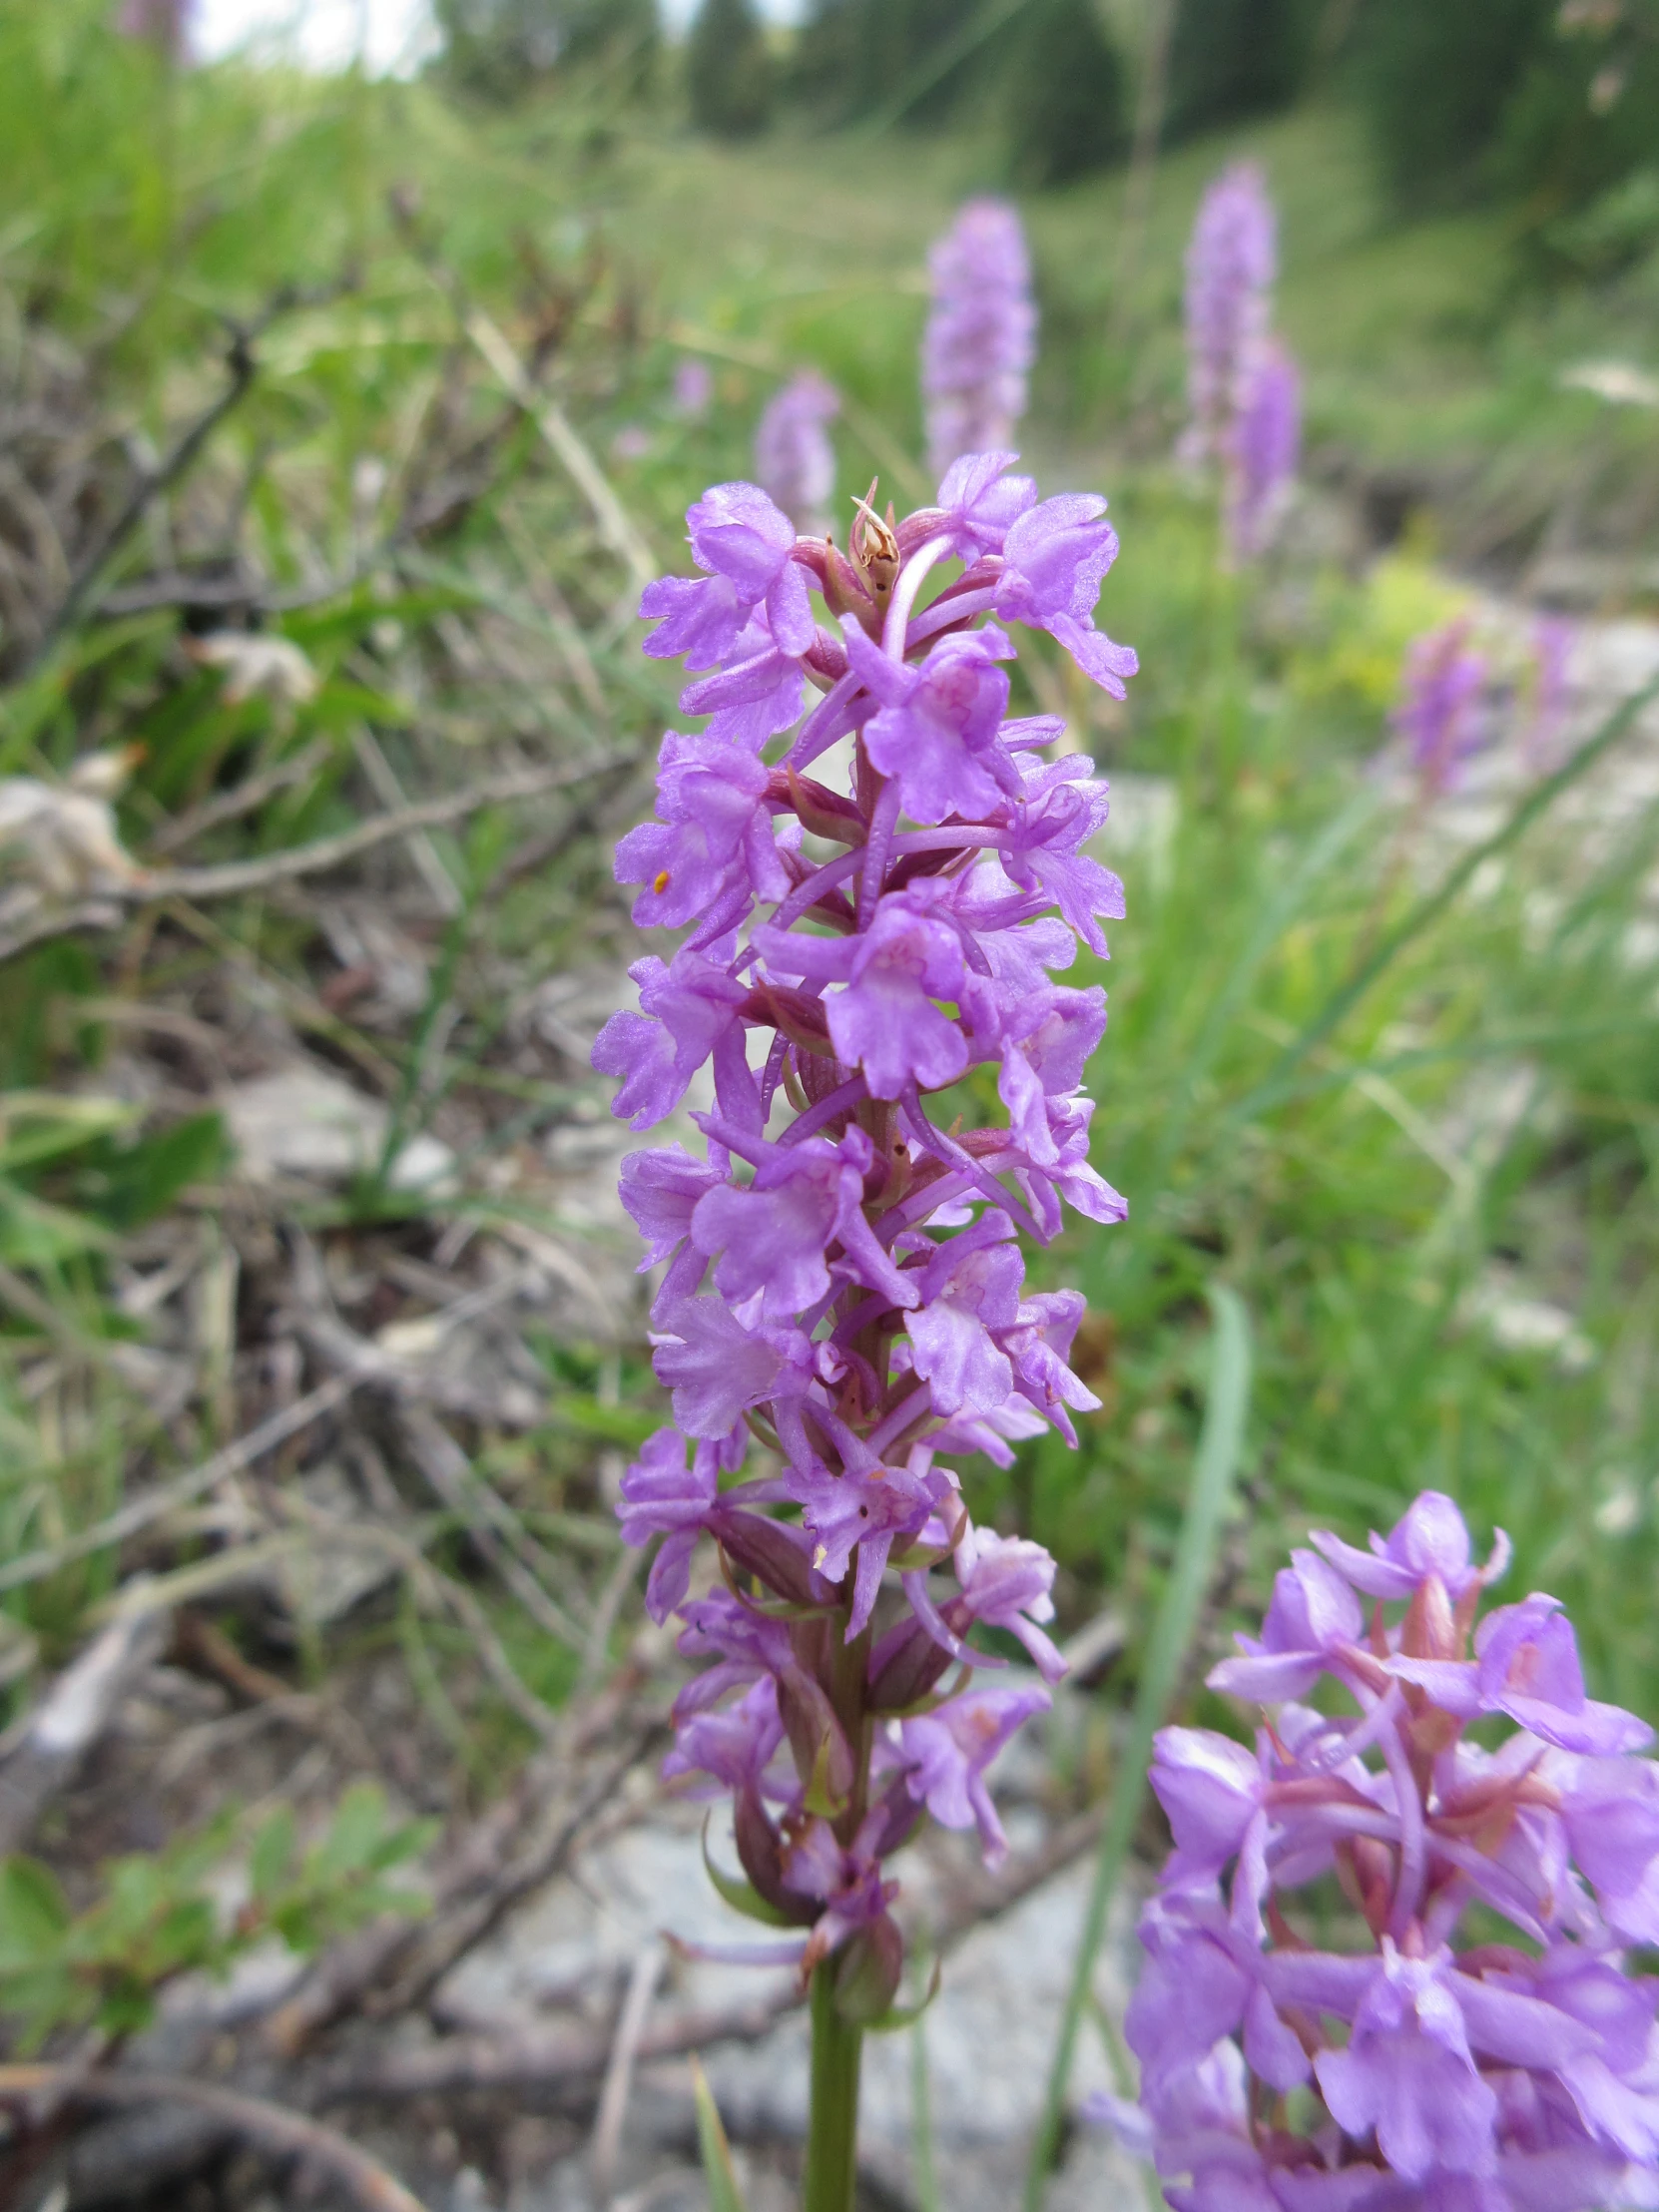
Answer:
(1231, 261)
(794, 459)
(1440, 713)
(1412, 2066)
(981, 335)
(163, 24)
(1262, 451)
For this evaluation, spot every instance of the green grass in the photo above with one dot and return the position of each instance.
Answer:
(1326, 1206)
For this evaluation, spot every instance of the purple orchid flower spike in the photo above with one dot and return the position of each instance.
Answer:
(843, 1282)
(1505, 2065)
(1231, 265)
(794, 457)
(1441, 711)
(981, 335)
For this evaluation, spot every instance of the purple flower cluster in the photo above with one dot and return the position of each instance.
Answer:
(164, 24)
(793, 459)
(1262, 451)
(842, 1282)
(1440, 713)
(981, 336)
(1244, 391)
(1319, 2030)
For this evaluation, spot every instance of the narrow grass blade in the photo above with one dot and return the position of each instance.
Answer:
(1171, 1633)
(718, 2170)
(1428, 909)
(925, 2177)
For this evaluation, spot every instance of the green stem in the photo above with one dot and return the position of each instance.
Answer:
(832, 2127)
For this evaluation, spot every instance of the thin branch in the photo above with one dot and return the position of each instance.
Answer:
(267, 2126)
(69, 1720)
(155, 1504)
(616, 526)
(230, 806)
(241, 367)
(232, 879)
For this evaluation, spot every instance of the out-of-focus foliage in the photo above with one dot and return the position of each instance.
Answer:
(1553, 104)
(729, 70)
(1066, 110)
(159, 1914)
(502, 49)
(1230, 59)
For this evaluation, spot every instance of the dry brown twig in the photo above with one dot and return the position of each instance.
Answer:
(153, 1505)
(233, 878)
(268, 2127)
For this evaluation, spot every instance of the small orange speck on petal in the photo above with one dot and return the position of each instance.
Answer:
(660, 881)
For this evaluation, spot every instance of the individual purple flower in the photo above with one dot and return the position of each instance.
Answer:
(715, 842)
(1526, 1665)
(729, 1747)
(661, 1497)
(772, 1234)
(1007, 1581)
(884, 1019)
(743, 545)
(981, 333)
(1054, 559)
(947, 1751)
(979, 502)
(1263, 448)
(1440, 711)
(1230, 263)
(1045, 850)
(690, 1015)
(862, 1512)
(714, 1366)
(1409, 2073)
(659, 1189)
(970, 1296)
(794, 459)
(939, 729)
(1313, 1617)
(758, 693)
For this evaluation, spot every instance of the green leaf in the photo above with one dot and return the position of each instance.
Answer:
(34, 1913)
(742, 1896)
(35, 1234)
(272, 1855)
(141, 1181)
(613, 1425)
(897, 2016)
(718, 2170)
(359, 1824)
(1217, 1463)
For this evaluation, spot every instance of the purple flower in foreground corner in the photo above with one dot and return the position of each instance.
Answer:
(1230, 263)
(981, 335)
(1440, 711)
(842, 1276)
(794, 459)
(1512, 2067)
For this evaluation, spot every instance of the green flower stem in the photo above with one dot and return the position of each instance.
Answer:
(832, 2127)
